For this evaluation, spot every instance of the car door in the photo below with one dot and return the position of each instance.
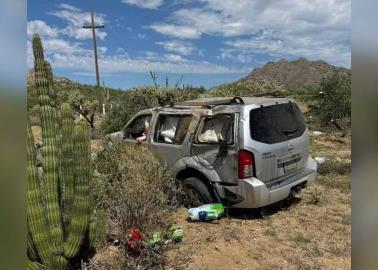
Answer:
(169, 139)
(215, 145)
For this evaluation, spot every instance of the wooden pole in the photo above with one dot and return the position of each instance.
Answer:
(93, 27)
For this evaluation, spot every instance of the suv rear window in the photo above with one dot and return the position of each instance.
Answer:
(276, 123)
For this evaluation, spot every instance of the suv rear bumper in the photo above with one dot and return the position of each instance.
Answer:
(255, 193)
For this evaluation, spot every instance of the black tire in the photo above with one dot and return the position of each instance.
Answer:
(196, 192)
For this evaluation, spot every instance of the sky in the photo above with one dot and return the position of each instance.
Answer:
(208, 42)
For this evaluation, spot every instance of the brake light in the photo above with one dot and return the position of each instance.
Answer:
(245, 163)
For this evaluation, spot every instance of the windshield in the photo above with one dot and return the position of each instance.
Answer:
(276, 123)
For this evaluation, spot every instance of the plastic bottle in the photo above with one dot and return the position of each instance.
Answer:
(206, 212)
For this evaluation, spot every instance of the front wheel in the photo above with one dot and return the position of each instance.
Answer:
(196, 192)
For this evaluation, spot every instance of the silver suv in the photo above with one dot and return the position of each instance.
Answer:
(245, 152)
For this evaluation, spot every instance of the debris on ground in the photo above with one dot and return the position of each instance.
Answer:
(316, 133)
(320, 160)
(206, 212)
(134, 242)
(171, 234)
(176, 233)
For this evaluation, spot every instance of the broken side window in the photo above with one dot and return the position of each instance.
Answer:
(138, 127)
(217, 129)
(172, 129)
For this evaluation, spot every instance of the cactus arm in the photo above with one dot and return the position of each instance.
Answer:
(50, 80)
(67, 162)
(30, 248)
(31, 265)
(34, 209)
(81, 207)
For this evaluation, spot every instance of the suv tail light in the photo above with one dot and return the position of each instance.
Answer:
(246, 164)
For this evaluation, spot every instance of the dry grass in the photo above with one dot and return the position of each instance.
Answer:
(136, 191)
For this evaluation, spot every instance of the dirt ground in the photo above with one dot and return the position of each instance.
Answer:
(310, 231)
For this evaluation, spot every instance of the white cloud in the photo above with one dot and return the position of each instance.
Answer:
(316, 28)
(141, 36)
(69, 7)
(177, 31)
(120, 50)
(173, 58)
(242, 49)
(76, 19)
(177, 46)
(70, 54)
(149, 4)
(41, 28)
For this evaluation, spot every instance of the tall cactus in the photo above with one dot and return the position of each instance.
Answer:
(58, 218)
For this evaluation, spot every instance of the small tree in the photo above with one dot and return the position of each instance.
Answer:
(83, 106)
(333, 100)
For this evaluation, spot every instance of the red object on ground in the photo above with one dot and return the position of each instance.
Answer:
(134, 242)
(135, 234)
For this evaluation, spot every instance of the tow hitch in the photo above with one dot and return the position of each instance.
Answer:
(297, 188)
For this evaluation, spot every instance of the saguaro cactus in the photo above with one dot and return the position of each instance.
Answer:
(58, 217)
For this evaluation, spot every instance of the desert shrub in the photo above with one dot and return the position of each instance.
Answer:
(142, 98)
(271, 232)
(314, 194)
(300, 238)
(116, 119)
(135, 187)
(332, 100)
(341, 167)
(247, 88)
(337, 181)
(136, 191)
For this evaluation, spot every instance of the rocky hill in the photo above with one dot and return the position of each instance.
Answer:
(64, 87)
(293, 75)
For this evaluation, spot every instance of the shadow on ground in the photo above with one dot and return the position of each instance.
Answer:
(259, 213)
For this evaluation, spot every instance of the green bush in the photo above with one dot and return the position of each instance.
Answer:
(247, 88)
(142, 98)
(333, 99)
(341, 167)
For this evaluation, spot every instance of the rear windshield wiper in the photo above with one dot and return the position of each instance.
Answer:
(290, 131)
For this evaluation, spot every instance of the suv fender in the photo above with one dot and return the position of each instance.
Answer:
(188, 167)
(195, 163)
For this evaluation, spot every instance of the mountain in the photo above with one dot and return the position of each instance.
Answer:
(293, 75)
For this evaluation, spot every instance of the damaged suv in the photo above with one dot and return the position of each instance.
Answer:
(246, 152)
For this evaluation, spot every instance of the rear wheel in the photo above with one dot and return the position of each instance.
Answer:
(196, 192)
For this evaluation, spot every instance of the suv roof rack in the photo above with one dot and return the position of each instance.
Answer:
(210, 102)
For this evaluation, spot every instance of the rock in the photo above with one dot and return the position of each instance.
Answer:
(317, 133)
(319, 160)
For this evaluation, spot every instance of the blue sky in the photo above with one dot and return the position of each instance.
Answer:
(209, 42)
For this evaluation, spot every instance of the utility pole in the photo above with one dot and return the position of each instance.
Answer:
(93, 27)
